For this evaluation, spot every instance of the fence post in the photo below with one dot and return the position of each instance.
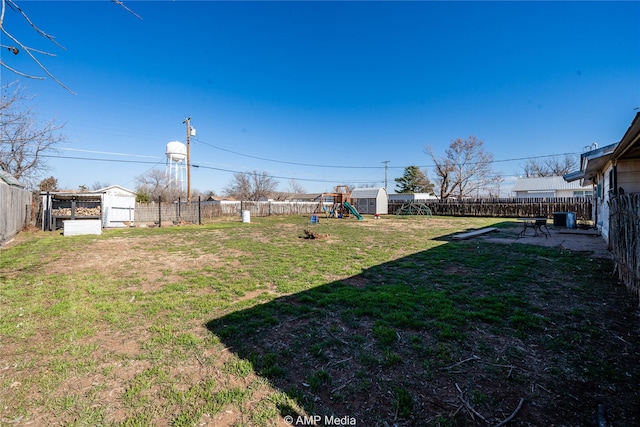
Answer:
(179, 201)
(199, 212)
(46, 215)
(159, 211)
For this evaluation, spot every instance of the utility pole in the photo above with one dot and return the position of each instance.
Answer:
(386, 166)
(188, 122)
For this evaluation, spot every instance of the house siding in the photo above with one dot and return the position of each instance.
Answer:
(627, 174)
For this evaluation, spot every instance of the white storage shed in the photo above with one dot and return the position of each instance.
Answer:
(119, 205)
(373, 201)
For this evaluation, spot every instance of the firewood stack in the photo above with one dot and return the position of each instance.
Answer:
(80, 211)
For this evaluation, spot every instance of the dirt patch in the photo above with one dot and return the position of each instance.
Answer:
(147, 256)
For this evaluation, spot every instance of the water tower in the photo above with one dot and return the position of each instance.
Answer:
(176, 163)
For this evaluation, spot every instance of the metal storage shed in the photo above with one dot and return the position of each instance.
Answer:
(118, 205)
(373, 201)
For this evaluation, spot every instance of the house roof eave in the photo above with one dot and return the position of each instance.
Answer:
(628, 146)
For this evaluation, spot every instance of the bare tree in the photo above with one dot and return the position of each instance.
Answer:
(24, 141)
(157, 184)
(550, 166)
(99, 185)
(295, 187)
(251, 186)
(465, 170)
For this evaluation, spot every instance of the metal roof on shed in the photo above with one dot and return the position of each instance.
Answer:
(366, 193)
(9, 179)
(547, 183)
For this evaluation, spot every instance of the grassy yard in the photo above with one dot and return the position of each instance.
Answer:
(379, 323)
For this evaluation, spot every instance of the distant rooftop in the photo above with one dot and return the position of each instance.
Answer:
(547, 183)
(9, 179)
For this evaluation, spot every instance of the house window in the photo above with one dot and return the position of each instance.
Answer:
(612, 181)
(583, 194)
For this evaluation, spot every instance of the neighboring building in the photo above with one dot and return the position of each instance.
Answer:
(7, 178)
(612, 170)
(370, 200)
(550, 186)
(410, 197)
(305, 197)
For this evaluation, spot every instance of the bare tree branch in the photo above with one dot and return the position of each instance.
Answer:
(14, 5)
(27, 49)
(24, 141)
(157, 184)
(31, 51)
(465, 169)
(551, 166)
(251, 186)
(120, 3)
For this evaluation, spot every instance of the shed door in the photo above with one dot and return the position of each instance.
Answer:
(362, 205)
(118, 209)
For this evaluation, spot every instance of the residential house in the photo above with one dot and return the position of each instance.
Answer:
(549, 186)
(410, 197)
(611, 170)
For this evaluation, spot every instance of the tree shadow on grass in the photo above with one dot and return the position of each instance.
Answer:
(448, 335)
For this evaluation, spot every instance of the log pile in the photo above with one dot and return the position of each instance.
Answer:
(80, 211)
(308, 234)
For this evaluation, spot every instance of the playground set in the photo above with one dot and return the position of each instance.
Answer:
(336, 205)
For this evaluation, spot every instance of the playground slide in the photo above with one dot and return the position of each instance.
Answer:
(353, 211)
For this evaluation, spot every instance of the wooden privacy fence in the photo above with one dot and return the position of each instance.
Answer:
(624, 232)
(197, 211)
(507, 208)
(15, 210)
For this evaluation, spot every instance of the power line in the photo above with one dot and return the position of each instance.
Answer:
(109, 153)
(195, 166)
(284, 161)
(368, 167)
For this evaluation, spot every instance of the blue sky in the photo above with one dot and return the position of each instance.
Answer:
(324, 92)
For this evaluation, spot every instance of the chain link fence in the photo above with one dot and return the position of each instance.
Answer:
(181, 212)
